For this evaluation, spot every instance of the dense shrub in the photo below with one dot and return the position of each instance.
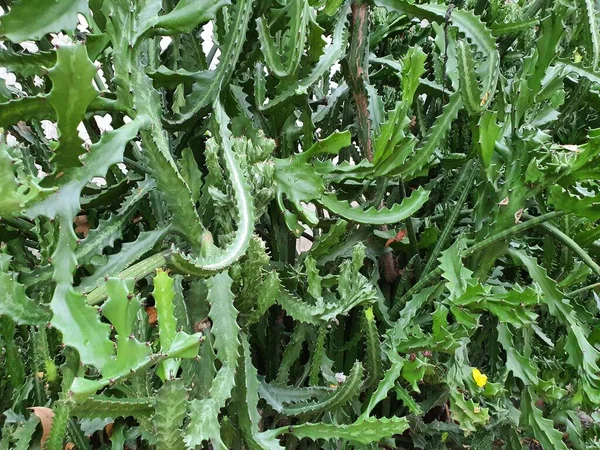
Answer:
(300, 224)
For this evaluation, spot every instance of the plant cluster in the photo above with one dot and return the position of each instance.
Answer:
(299, 224)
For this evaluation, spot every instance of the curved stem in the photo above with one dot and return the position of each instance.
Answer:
(569, 243)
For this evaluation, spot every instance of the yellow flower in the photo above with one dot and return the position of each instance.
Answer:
(479, 378)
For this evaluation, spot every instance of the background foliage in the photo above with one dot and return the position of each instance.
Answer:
(324, 224)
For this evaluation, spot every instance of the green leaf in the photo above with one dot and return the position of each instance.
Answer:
(467, 23)
(386, 384)
(72, 92)
(419, 159)
(278, 395)
(170, 412)
(164, 294)
(103, 154)
(469, 87)
(209, 83)
(363, 431)
(191, 173)
(27, 64)
(17, 190)
(184, 18)
(513, 27)
(332, 53)
(81, 327)
(521, 367)
(204, 424)
(383, 216)
(453, 270)
(542, 428)
(346, 392)
(373, 347)
(24, 20)
(468, 414)
(24, 108)
(246, 404)
(221, 259)
(489, 132)
(122, 309)
(298, 10)
(13, 364)
(15, 303)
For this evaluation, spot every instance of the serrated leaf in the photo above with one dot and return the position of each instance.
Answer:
(333, 53)
(102, 155)
(27, 64)
(24, 20)
(467, 23)
(385, 385)
(170, 411)
(468, 414)
(72, 92)
(453, 270)
(469, 86)
(24, 108)
(489, 131)
(14, 302)
(542, 428)
(246, 404)
(298, 10)
(184, 17)
(384, 216)
(521, 367)
(347, 391)
(164, 294)
(415, 163)
(204, 424)
(16, 191)
(210, 82)
(81, 327)
(363, 431)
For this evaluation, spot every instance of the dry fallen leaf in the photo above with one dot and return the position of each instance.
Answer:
(504, 201)
(151, 311)
(82, 225)
(45, 415)
(571, 148)
(401, 234)
(69, 446)
(518, 215)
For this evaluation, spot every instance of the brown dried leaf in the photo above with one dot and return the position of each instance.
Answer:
(152, 315)
(82, 225)
(401, 235)
(518, 215)
(45, 415)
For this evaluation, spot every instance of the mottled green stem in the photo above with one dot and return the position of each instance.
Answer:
(358, 74)
(137, 272)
